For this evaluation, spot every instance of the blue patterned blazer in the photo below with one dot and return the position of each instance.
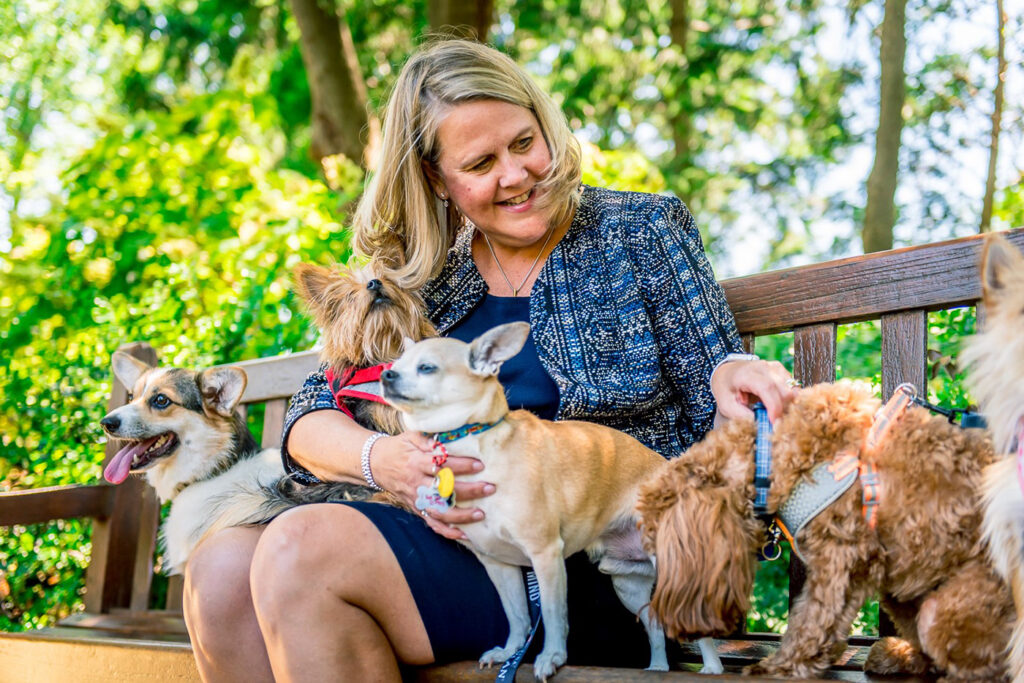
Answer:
(626, 315)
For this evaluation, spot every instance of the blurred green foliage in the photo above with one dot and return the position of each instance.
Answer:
(179, 229)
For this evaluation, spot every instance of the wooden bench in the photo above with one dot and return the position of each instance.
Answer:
(118, 636)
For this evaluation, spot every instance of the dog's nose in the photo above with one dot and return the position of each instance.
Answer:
(374, 285)
(111, 422)
(388, 376)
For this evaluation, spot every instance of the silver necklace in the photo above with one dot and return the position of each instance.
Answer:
(515, 290)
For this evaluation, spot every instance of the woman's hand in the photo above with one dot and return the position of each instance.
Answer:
(403, 463)
(738, 384)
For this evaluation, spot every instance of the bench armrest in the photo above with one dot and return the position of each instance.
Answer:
(55, 502)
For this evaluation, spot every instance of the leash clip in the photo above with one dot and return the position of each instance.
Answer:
(772, 550)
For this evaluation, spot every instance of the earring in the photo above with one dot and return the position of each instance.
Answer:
(446, 203)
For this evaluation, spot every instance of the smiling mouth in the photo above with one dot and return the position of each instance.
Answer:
(138, 455)
(518, 199)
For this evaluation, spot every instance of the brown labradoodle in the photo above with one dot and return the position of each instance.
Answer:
(923, 558)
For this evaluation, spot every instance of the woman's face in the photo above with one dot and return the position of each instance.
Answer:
(492, 157)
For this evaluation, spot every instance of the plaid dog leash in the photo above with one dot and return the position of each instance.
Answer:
(507, 672)
(762, 460)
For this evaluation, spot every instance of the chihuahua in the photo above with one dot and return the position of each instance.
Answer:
(562, 487)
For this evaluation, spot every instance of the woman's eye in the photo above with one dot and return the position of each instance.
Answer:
(523, 144)
(426, 368)
(481, 166)
(161, 401)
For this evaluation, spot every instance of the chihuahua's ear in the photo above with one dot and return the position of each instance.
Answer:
(128, 369)
(495, 346)
(407, 343)
(222, 388)
(311, 281)
(999, 262)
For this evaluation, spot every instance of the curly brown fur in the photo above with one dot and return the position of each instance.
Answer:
(362, 324)
(995, 359)
(922, 556)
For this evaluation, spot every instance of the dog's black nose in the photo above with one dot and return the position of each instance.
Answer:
(374, 285)
(388, 376)
(111, 422)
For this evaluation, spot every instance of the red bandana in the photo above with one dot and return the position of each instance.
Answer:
(350, 384)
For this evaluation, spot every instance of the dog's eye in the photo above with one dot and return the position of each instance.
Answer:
(426, 368)
(160, 401)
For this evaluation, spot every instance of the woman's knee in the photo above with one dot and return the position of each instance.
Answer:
(216, 586)
(311, 546)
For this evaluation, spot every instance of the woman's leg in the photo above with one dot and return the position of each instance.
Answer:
(331, 599)
(221, 621)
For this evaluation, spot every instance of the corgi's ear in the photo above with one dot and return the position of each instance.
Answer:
(311, 281)
(128, 369)
(999, 262)
(495, 346)
(222, 388)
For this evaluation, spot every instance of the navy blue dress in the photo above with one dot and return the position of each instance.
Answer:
(456, 600)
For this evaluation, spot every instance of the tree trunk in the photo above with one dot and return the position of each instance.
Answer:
(680, 108)
(336, 87)
(682, 121)
(880, 212)
(475, 14)
(997, 117)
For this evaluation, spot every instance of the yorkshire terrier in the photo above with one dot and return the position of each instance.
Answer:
(364, 318)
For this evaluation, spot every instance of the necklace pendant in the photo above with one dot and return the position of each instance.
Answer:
(515, 292)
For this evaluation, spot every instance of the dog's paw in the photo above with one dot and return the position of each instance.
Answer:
(712, 668)
(496, 655)
(547, 663)
(895, 656)
(774, 669)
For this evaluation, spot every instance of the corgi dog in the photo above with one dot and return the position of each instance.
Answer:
(995, 360)
(180, 429)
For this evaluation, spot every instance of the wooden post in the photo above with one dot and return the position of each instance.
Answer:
(115, 539)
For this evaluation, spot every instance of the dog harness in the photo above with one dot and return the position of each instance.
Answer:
(351, 383)
(827, 481)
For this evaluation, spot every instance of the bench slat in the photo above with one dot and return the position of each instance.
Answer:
(814, 354)
(277, 377)
(273, 423)
(904, 355)
(929, 277)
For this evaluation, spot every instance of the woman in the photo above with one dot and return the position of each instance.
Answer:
(478, 201)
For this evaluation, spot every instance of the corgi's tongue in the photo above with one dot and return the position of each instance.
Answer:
(120, 466)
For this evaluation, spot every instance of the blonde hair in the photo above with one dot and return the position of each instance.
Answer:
(399, 220)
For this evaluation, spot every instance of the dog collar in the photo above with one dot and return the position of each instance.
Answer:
(465, 430)
(363, 384)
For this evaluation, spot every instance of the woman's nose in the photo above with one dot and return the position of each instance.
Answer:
(513, 172)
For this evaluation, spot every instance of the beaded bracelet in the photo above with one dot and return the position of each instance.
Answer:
(364, 460)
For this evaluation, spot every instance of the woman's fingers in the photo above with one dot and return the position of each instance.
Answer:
(739, 384)
(445, 530)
